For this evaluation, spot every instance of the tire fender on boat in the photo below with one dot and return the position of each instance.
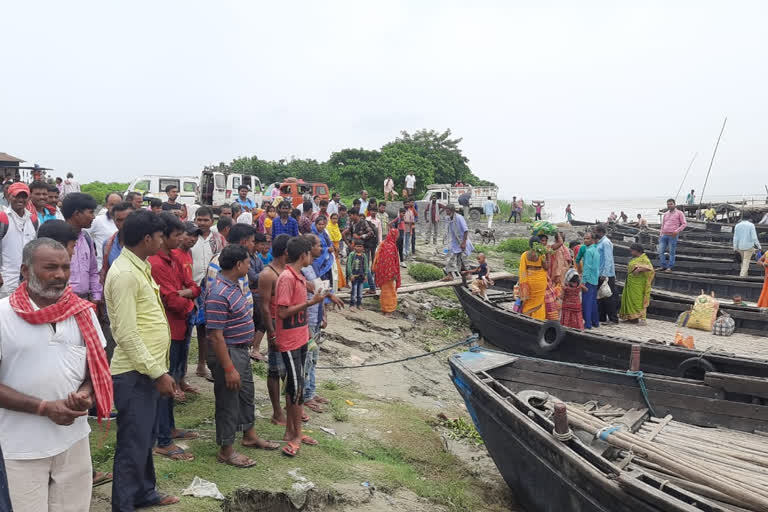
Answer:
(695, 364)
(551, 334)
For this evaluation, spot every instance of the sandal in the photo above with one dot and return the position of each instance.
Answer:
(321, 400)
(185, 435)
(190, 389)
(309, 441)
(265, 445)
(314, 407)
(163, 501)
(237, 460)
(291, 449)
(100, 478)
(177, 454)
(304, 417)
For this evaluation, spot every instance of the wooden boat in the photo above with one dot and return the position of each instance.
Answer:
(575, 222)
(668, 306)
(749, 288)
(520, 334)
(622, 249)
(625, 443)
(713, 267)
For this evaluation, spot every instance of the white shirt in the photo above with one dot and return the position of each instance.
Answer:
(101, 229)
(21, 231)
(202, 254)
(410, 181)
(333, 207)
(363, 206)
(39, 362)
(245, 218)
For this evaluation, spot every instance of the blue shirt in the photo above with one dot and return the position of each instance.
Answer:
(745, 236)
(227, 309)
(605, 250)
(314, 317)
(290, 228)
(114, 252)
(247, 203)
(266, 260)
(456, 229)
(591, 265)
(489, 208)
(363, 206)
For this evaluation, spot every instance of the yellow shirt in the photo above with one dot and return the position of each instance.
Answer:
(136, 312)
(268, 225)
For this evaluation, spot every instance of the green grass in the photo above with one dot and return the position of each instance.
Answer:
(424, 272)
(461, 428)
(452, 316)
(443, 293)
(339, 410)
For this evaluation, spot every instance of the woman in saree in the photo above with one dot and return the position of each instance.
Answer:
(763, 301)
(335, 233)
(559, 260)
(324, 263)
(386, 265)
(533, 281)
(637, 289)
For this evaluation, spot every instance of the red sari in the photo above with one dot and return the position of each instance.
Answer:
(571, 312)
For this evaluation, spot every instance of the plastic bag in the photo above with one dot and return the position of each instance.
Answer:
(703, 313)
(604, 291)
(686, 341)
(200, 488)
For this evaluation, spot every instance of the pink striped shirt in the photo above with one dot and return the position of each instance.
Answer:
(673, 222)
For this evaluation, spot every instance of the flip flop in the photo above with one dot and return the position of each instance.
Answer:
(237, 460)
(186, 435)
(163, 501)
(268, 445)
(291, 449)
(100, 478)
(172, 455)
(304, 417)
(309, 441)
(321, 400)
(314, 407)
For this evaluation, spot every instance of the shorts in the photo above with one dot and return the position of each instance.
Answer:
(258, 324)
(294, 361)
(275, 365)
(455, 262)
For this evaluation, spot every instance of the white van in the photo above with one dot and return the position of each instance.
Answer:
(153, 185)
(220, 188)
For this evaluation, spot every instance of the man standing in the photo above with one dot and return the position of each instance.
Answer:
(489, 208)
(38, 202)
(136, 199)
(229, 314)
(672, 223)
(103, 226)
(323, 211)
(53, 201)
(363, 202)
(305, 221)
(292, 335)
(513, 210)
(389, 189)
(460, 246)
(69, 186)
(333, 206)
(202, 253)
(114, 244)
(78, 211)
(433, 218)
(245, 202)
(745, 242)
(410, 183)
(606, 307)
(171, 205)
(691, 197)
(591, 279)
(267, 282)
(285, 224)
(140, 363)
(359, 229)
(20, 231)
(178, 292)
(383, 217)
(52, 370)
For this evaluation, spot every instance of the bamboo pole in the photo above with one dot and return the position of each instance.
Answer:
(431, 285)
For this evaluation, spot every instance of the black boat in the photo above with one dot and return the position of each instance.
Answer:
(749, 288)
(668, 306)
(715, 268)
(520, 334)
(626, 443)
(622, 249)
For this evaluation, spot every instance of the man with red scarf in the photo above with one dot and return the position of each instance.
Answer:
(53, 368)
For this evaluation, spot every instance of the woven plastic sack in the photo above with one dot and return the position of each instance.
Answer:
(724, 325)
(704, 313)
(543, 227)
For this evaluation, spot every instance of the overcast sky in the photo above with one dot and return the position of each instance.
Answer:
(609, 99)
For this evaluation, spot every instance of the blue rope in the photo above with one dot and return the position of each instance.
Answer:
(603, 433)
(638, 375)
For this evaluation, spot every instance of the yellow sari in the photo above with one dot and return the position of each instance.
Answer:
(533, 279)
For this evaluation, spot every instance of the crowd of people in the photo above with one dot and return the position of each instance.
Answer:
(575, 284)
(107, 304)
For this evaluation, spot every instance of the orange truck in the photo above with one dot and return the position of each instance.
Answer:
(295, 189)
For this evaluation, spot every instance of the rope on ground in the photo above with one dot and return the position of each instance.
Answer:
(467, 341)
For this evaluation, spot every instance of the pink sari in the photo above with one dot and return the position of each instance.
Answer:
(559, 263)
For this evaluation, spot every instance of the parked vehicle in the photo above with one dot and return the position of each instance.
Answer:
(450, 194)
(219, 187)
(154, 185)
(294, 189)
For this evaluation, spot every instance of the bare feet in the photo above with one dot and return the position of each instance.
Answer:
(281, 420)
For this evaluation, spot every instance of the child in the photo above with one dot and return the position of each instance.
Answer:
(156, 205)
(343, 217)
(399, 224)
(265, 253)
(481, 284)
(358, 267)
(571, 315)
(271, 214)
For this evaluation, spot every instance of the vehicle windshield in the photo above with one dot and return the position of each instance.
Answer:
(141, 186)
(221, 181)
(164, 182)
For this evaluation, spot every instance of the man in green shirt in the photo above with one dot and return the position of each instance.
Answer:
(140, 362)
